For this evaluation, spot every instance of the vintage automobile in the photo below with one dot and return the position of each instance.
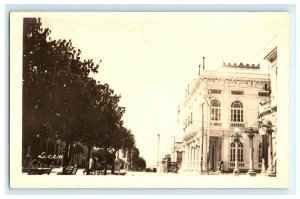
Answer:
(172, 167)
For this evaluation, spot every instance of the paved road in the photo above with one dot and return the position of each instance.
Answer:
(155, 180)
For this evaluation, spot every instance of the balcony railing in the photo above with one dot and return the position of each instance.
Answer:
(215, 123)
(240, 164)
(237, 124)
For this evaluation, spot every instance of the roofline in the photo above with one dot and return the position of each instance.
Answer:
(269, 55)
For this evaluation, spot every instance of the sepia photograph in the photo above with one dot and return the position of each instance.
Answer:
(149, 99)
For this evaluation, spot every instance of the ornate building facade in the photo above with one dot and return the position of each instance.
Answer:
(268, 119)
(215, 104)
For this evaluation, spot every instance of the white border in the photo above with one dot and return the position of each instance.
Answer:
(4, 91)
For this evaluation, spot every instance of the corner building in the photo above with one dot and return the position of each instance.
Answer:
(268, 112)
(216, 103)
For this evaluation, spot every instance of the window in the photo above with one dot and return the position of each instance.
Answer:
(191, 118)
(240, 152)
(215, 91)
(237, 114)
(215, 111)
(237, 92)
(263, 94)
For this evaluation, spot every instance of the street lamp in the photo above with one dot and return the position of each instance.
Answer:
(236, 138)
(251, 133)
(173, 150)
(266, 128)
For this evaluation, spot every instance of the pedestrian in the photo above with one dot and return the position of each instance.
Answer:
(90, 163)
(54, 161)
(48, 160)
(221, 167)
(60, 159)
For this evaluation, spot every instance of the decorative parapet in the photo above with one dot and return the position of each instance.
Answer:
(241, 65)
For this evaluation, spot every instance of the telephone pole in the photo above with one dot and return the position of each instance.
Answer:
(158, 140)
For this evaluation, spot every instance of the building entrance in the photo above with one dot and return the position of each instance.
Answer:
(215, 148)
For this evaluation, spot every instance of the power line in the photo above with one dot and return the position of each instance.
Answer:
(267, 43)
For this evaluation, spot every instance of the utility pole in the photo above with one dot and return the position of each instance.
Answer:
(207, 138)
(174, 150)
(202, 138)
(158, 140)
(199, 70)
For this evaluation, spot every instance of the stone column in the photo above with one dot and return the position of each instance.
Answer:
(183, 158)
(194, 154)
(195, 158)
(251, 171)
(188, 157)
(191, 162)
(270, 171)
(191, 158)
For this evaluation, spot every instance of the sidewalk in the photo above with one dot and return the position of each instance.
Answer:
(212, 173)
(78, 173)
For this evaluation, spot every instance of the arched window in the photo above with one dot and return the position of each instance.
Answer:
(240, 152)
(237, 114)
(215, 110)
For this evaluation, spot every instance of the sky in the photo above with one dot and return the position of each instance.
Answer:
(150, 58)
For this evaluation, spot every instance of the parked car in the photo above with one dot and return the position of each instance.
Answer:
(172, 167)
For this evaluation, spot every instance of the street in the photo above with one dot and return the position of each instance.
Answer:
(150, 180)
(158, 174)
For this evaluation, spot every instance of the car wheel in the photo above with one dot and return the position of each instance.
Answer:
(172, 169)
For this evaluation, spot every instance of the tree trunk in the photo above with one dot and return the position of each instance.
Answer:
(88, 161)
(47, 145)
(77, 157)
(105, 159)
(54, 151)
(67, 157)
(113, 166)
(113, 163)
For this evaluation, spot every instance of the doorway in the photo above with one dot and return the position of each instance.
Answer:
(215, 148)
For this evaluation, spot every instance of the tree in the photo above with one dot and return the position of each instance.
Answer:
(99, 118)
(62, 101)
(123, 139)
(34, 80)
(55, 81)
(139, 164)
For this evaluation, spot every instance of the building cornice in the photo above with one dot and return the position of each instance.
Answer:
(251, 81)
(272, 55)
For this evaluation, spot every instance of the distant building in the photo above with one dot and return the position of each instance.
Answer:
(125, 157)
(178, 153)
(215, 103)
